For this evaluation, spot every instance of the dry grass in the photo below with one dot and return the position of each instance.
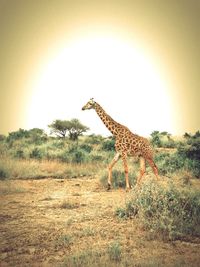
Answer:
(58, 223)
(34, 169)
(6, 187)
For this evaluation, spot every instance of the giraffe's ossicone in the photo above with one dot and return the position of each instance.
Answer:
(126, 144)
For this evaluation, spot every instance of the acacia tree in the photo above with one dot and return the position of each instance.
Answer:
(74, 128)
(59, 128)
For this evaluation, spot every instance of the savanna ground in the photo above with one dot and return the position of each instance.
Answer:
(55, 210)
(73, 222)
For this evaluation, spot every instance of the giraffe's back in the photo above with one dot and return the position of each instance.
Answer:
(133, 145)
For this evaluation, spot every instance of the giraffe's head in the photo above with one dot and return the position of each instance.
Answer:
(90, 104)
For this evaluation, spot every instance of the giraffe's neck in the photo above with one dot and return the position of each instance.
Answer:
(107, 120)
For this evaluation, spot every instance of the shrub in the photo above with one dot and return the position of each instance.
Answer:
(191, 150)
(36, 153)
(169, 163)
(3, 174)
(108, 145)
(86, 148)
(114, 251)
(19, 154)
(3, 149)
(64, 157)
(169, 144)
(78, 157)
(95, 157)
(73, 155)
(156, 139)
(194, 167)
(94, 139)
(21, 133)
(166, 211)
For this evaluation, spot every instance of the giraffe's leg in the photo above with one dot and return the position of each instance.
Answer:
(142, 170)
(154, 168)
(124, 157)
(113, 162)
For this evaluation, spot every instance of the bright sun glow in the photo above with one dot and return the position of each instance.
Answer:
(116, 73)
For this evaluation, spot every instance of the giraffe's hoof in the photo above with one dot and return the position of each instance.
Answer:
(128, 187)
(108, 187)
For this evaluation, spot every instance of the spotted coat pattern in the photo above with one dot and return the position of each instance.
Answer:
(126, 144)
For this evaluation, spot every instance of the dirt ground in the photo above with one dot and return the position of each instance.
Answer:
(42, 222)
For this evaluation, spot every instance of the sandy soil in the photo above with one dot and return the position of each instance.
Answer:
(42, 222)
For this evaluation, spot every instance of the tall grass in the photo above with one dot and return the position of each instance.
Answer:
(87, 150)
(29, 169)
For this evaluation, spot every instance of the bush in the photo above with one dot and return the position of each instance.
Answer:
(3, 174)
(95, 157)
(86, 148)
(64, 157)
(36, 153)
(194, 167)
(166, 211)
(169, 163)
(115, 252)
(19, 154)
(73, 155)
(94, 139)
(108, 145)
(156, 139)
(78, 157)
(191, 150)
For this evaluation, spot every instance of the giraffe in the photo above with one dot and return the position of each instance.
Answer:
(126, 144)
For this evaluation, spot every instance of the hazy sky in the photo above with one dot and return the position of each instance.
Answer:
(55, 55)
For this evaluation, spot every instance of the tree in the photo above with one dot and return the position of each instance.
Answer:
(156, 141)
(37, 135)
(76, 128)
(59, 128)
(63, 127)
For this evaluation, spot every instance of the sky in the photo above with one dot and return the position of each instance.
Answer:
(138, 59)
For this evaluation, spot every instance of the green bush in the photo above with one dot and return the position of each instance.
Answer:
(108, 145)
(166, 211)
(169, 163)
(78, 157)
(191, 150)
(74, 155)
(64, 156)
(3, 174)
(94, 139)
(95, 157)
(169, 144)
(36, 153)
(86, 147)
(19, 154)
(115, 252)
(156, 139)
(194, 167)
